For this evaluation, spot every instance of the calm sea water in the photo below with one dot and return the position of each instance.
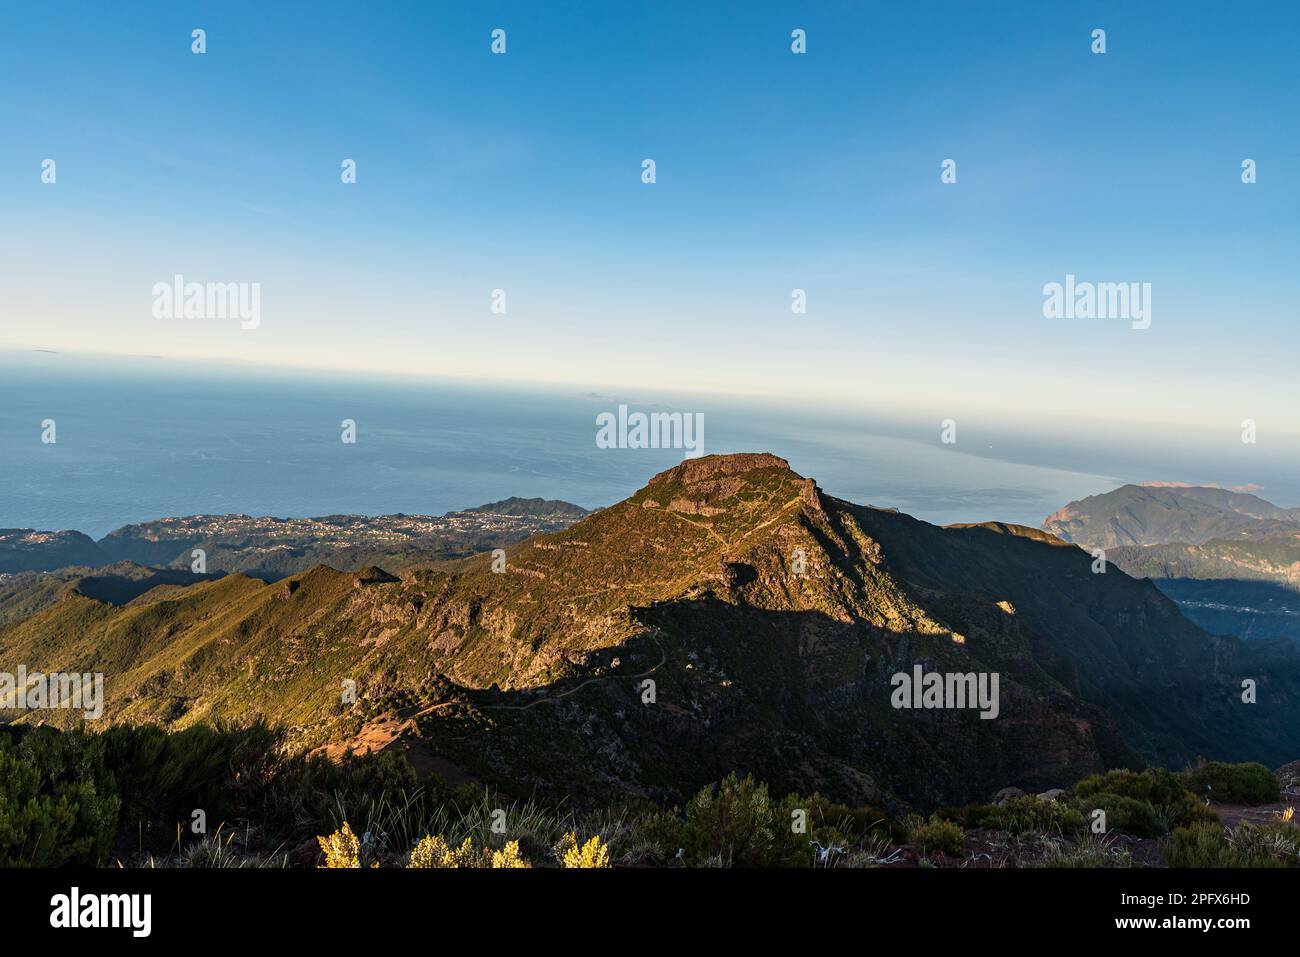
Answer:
(145, 439)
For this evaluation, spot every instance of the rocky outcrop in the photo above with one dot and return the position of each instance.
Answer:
(374, 576)
(692, 471)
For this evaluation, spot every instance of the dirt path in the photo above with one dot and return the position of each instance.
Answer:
(393, 730)
(551, 699)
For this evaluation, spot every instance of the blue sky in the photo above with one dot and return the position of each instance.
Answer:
(775, 172)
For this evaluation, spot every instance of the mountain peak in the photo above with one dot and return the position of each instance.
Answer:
(715, 466)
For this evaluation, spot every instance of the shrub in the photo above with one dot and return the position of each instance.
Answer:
(1154, 785)
(509, 857)
(868, 822)
(341, 849)
(1017, 816)
(1267, 845)
(58, 801)
(736, 823)
(830, 819)
(1184, 812)
(1125, 814)
(1206, 845)
(1248, 783)
(1246, 845)
(1166, 793)
(733, 823)
(434, 852)
(591, 854)
(290, 794)
(165, 776)
(938, 835)
(663, 831)
(243, 774)
(1201, 845)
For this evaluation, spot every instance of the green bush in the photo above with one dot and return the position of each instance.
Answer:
(830, 821)
(64, 795)
(1201, 845)
(1154, 785)
(304, 793)
(243, 774)
(1247, 845)
(166, 776)
(1125, 814)
(664, 832)
(736, 823)
(1017, 816)
(938, 835)
(1248, 783)
(1166, 792)
(58, 801)
(1185, 812)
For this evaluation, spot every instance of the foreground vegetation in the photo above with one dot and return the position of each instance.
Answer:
(202, 797)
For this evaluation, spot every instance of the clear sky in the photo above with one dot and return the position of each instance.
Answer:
(775, 171)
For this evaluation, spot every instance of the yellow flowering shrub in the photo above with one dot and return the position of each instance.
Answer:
(342, 848)
(509, 856)
(435, 852)
(591, 854)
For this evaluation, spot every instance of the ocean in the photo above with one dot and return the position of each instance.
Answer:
(142, 439)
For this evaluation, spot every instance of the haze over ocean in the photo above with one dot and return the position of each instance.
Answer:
(146, 439)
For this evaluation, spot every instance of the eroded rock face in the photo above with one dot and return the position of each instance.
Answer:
(392, 612)
(715, 466)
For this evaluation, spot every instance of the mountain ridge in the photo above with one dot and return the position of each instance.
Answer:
(1210, 549)
(772, 616)
(1137, 515)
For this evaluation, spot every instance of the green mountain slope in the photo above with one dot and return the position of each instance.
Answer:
(770, 617)
(26, 593)
(1275, 558)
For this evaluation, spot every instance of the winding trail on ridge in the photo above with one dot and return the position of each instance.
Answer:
(551, 699)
